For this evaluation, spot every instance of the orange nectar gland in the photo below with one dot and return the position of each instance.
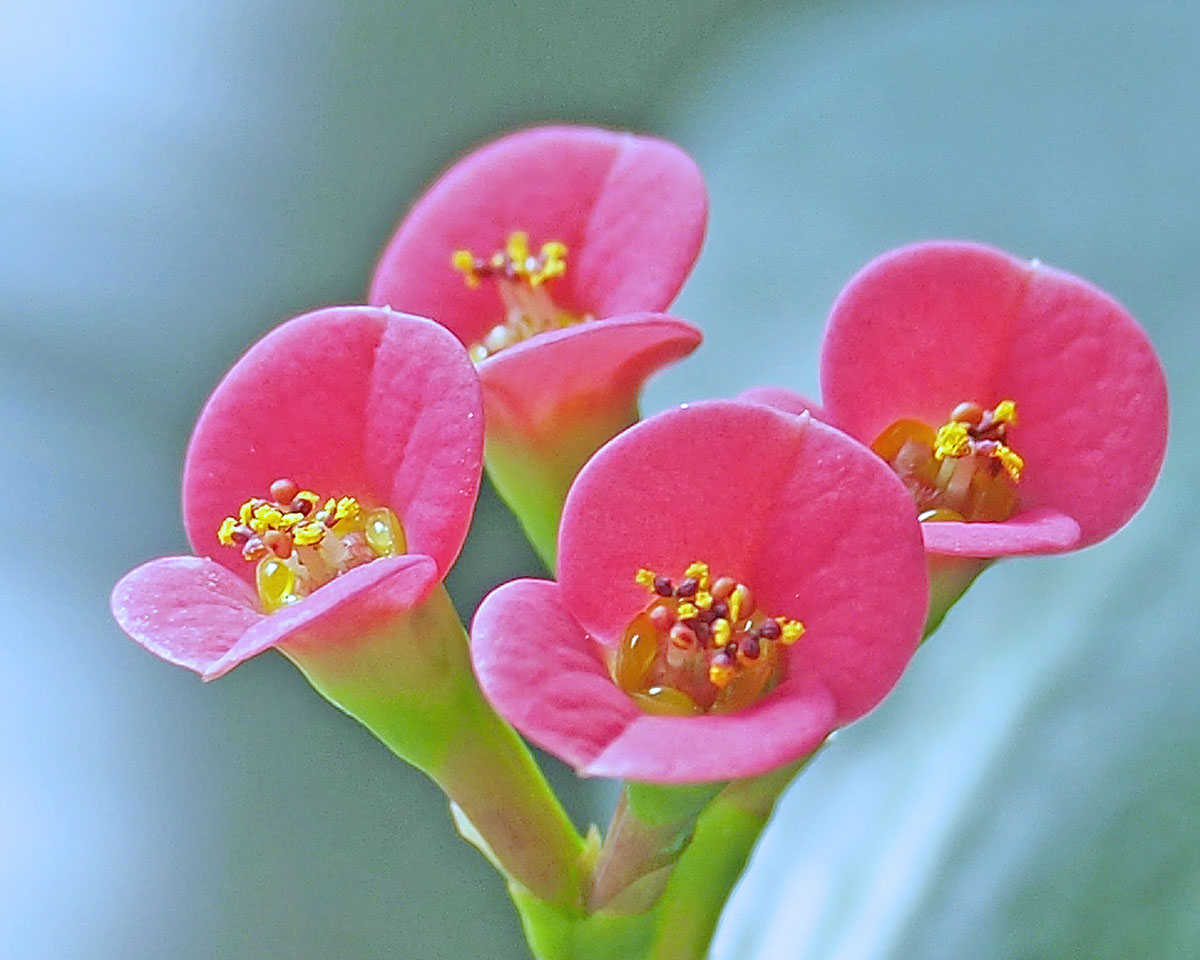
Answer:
(701, 646)
(964, 470)
(521, 277)
(300, 543)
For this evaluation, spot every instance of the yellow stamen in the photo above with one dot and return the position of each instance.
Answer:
(790, 630)
(464, 262)
(308, 533)
(700, 572)
(739, 602)
(1005, 412)
(719, 674)
(953, 440)
(680, 647)
(1011, 461)
(299, 550)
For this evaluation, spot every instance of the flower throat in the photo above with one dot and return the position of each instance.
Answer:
(701, 646)
(301, 544)
(964, 470)
(522, 279)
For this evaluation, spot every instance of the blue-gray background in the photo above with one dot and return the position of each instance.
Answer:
(177, 178)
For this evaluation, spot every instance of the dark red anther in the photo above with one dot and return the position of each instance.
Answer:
(750, 647)
(241, 533)
(707, 616)
(687, 587)
(769, 630)
(721, 610)
(663, 586)
(700, 628)
(302, 507)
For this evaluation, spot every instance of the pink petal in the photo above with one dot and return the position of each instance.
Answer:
(543, 674)
(1042, 530)
(925, 327)
(541, 381)
(813, 522)
(348, 401)
(916, 332)
(188, 610)
(1091, 402)
(783, 399)
(343, 612)
(630, 209)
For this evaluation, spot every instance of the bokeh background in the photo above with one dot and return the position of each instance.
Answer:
(177, 178)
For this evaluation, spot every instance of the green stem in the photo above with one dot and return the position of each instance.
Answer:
(726, 832)
(650, 828)
(411, 685)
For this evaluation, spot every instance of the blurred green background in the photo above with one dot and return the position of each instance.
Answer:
(176, 179)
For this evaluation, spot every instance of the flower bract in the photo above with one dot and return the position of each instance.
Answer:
(328, 487)
(1024, 408)
(734, 583)
(549, 253)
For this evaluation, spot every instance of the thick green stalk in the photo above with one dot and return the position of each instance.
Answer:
(726, 832)
(650, 828)
(411, 685)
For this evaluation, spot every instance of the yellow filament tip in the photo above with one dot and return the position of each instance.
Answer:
(306, 534)
(1005, 412)
(1011, 461)
(464, 262)
(952, 440)
(645, 578)
(699, 571)
(225, 533)
(719, 674)
(789, 630)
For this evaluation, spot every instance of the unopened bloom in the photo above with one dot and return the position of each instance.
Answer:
(1024, 408)
(734, 584)
(328, 488)
(548, 253)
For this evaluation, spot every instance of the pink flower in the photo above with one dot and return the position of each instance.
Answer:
(349, 402)
(547, 253)
(1023, 407)
(752, 580)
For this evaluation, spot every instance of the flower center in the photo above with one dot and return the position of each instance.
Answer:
(300, 543)
(521, 277)
(701, 646)
(964, 470)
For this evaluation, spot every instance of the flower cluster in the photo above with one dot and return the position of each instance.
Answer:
(735, 579)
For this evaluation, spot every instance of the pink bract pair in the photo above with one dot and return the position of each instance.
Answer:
(924, 328)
